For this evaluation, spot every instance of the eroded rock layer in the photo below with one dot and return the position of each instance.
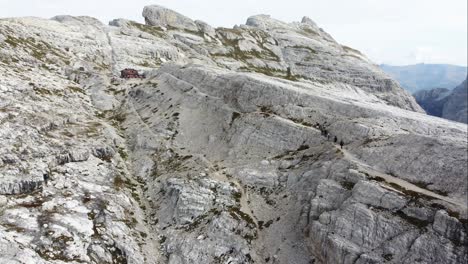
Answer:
(220, 154)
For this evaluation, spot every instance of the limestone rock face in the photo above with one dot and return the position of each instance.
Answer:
(205, 28)
(374, 195)
(449, 227)
(218, 155)
(432, 101)
(160, 16)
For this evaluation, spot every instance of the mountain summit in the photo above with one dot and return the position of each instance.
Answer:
(176, 142)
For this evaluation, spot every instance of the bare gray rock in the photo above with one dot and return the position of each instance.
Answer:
(374, 195)
(160, 16)
(217, 156)
(449, 227)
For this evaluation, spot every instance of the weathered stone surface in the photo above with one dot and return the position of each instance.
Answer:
(449, 227)
(20, 186)
(217, 155)
(329, 196)
(374, 195)
(76, 155)
(104, 153)
(205, 28)
(160, 16)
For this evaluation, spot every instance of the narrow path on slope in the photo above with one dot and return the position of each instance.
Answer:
(399, 182)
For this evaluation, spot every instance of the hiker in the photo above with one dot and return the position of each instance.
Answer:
(45, 176)
(335, 139)
(341, 143)
(328, 136)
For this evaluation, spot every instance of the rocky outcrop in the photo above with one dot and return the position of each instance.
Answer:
(160, 16)
(73, 156)
(20, 186)
(218, 155)
(376, 196)
(205, 28)
(449, 227)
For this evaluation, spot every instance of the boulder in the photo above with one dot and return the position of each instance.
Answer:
(308, 21)
(372, 194)
(75, 155)
(160, 16)
(449, 227)
(265, 22)
(329, 196)
(205, 28)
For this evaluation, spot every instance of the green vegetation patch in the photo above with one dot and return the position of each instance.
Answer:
(237, 214)
(272, 72)
(311, 50)
(123, 154)
(37, 49)
(76, 89)
(311, 31)
(152, 30)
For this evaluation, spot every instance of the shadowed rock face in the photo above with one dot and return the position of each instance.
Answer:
(444, 103)
(432, 101)
(160, 16)
(456, 107)
(217, 155)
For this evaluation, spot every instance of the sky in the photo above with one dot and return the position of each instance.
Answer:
(396, 32)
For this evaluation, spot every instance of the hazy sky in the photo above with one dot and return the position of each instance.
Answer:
(388, 31)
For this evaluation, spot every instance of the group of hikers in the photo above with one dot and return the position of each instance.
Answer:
(327, 134)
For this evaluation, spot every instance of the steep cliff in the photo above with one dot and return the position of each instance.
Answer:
(456, 107)
(448, 104)
(432, 101)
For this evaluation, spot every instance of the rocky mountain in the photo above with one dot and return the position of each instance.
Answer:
(219, 154)
(445, 103)
(432, 101)
(426, 76)
(456, 107)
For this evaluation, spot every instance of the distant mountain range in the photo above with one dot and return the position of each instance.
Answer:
(426, 76)
(448, 104)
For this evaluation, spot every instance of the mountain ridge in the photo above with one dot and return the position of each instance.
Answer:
(448, 104)
(219, 155)
(426, 76)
